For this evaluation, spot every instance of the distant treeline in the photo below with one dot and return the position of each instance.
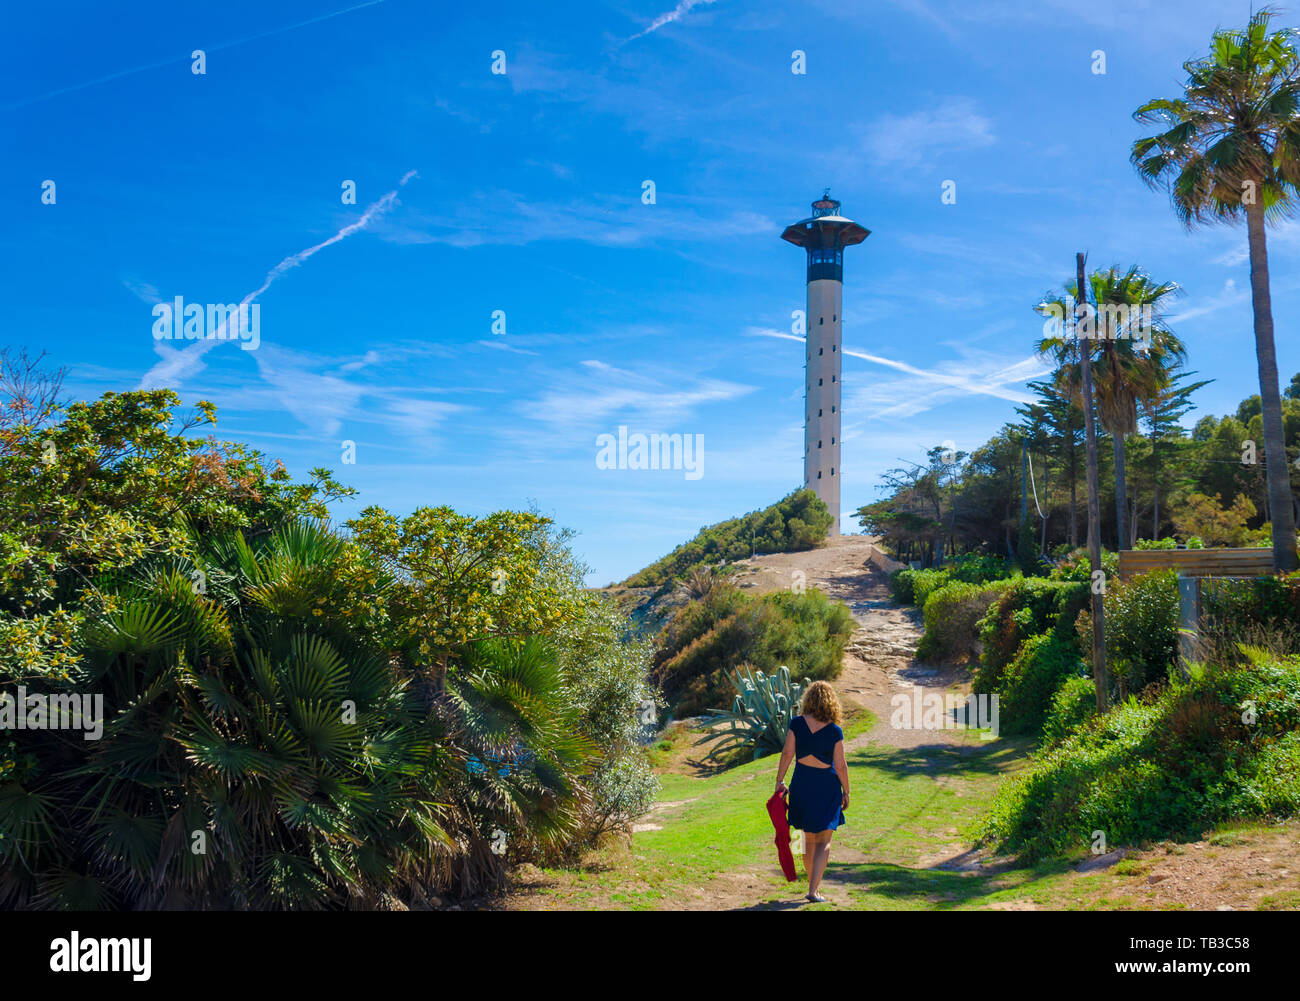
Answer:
(1206, 486)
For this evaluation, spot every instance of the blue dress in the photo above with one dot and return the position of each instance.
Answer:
(816, 796)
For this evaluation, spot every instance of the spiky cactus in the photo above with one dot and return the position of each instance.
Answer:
(759, 715)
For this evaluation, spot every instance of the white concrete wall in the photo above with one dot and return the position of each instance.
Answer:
(822, 412)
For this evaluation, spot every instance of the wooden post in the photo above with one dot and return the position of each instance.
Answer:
(1101, 681)
(1189, 619)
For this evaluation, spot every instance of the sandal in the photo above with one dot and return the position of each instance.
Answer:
(814, 898)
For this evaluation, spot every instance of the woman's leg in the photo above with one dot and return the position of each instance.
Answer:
(809, 852)
(820, 858)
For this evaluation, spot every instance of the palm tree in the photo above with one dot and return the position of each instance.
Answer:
(1231, 147)
(1132, 352)
(1130, 371)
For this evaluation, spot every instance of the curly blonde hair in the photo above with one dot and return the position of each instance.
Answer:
(821, 703)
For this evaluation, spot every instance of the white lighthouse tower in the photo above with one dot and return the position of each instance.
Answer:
(824, 235)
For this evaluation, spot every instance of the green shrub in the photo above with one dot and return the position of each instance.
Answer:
(900, 584)
(1268, 601)
(1259, 611)
(607, 670)
(1169, 766)
(1027, 607)
(951, 615)
(1027, 551)
(1030, 682)
(913, 587)
(1074, 703)
(1077, 566)
(1142, 621)
(706, 639)
(925, 583)
(977, 568)
(259, 713)
(820, 630)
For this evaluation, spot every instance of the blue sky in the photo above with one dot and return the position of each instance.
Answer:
(526, 197)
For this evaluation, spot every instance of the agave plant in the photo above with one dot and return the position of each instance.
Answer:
(759, 716)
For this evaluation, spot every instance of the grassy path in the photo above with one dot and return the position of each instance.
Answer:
(708, 843)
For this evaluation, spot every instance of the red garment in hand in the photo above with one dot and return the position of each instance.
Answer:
(776, 810)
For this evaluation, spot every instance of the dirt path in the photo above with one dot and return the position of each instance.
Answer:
(879, 663)
(880, 659)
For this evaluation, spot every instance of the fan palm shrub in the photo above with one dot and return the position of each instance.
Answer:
(515, 712)
(256, 754)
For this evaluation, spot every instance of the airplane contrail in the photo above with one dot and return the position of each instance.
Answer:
(990, 387)
(168, 62)
(177, 363)
(956, 381)
(673, 15)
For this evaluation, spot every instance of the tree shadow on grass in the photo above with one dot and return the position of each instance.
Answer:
(775, 905)
(936, 888)
(992, 758)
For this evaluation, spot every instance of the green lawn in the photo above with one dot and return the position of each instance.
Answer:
(910, 808)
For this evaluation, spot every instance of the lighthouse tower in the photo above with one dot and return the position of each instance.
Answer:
(824, 235)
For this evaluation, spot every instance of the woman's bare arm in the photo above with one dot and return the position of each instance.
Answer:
(787, 755)
(842, 769)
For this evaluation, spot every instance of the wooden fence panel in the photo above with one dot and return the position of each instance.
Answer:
(1197, 562)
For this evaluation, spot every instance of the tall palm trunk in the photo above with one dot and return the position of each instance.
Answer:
(1279, 477)
(1073, 462)
(1100, 678)
(1121, 492)
(1074, 505)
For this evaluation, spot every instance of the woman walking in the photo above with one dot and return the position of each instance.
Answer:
(819, 789)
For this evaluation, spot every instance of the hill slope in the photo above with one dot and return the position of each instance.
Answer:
(798, 521)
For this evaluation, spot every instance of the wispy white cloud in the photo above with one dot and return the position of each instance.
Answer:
(990, 377)
(590, 402)
(336, 397)
(952, 126)
(779, 334)
(503, 346)
(1229, 296)
(143, 291)
(317, 399)
(615, 221)
(1284, 235)
(416, 420)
